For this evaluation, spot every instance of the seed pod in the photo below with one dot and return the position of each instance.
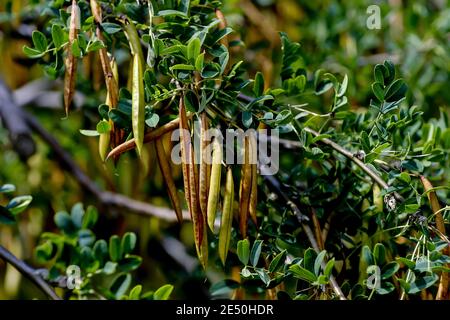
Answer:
(103, 145)
(214, 186)
(190, 179)
(244, 190)
(71, 60)
(254, 185)
(133, 39)
(227, 217)
(203, 175)
(137, 103)
(167, 175)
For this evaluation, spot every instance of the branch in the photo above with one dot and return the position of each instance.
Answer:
(308, 231)
(28, 272)
(375, 177)
(19, 133)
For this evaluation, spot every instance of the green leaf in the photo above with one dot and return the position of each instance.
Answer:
(263, 275)
(135, 293)
(309, 259)
(90, 217)
(100, 250)
(111, 28)
(32, 53)
(186, 67)
(89, 133)
(247, 119)
(302, 273)
(379, 72)
(258, 85)
(109, 268)
(318, 262)
(19, 204)
(115, 252)
(130, 263)
(153, 120)
(121, 285)
(95, 45)
(163, 293)
(86, 237)
(64, 222)
(199, 62)
(128, 242)
(379, 253)
(396, 91)
(422, 283)
(243, 251)
(7, 188)
(409, 263)
(169, 13)
(39, 41)
(389, 270)
(367, 255)
(278, 261)
(193, 50)
(377, 89)
(6, 217)
(77, 214)
(44, 251)
(256, 252)
(57, 36)
(103, 127)
(329, 268)
(342, 87)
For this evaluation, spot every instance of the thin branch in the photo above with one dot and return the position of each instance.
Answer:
(28, 272)
(306, 228)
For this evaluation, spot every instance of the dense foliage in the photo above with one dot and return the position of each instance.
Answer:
(357, 210)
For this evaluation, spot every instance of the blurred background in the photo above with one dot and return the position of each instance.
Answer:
(334, 36)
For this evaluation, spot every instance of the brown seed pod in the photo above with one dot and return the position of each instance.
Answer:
(254, 178)
(167, 175)
(71, 60)
(214, 186)
(203, 175)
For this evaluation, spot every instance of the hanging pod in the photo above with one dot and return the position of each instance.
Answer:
(227, 216)
(254, 178)
(214, 185)
(137, 104)
(190, 179)
(245, 187)
(71, 60)
(204, 166)
(167, 175)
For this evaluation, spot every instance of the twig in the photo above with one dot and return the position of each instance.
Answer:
(28, 272)
(306, 228)
(19, 133)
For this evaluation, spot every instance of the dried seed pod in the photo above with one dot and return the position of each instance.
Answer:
(167, 175)
(214, 186)
(190, 179)
(71, 60)
(137, 103)
(227, 217)
(254, 178)
(203, 175)
(244, 189)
